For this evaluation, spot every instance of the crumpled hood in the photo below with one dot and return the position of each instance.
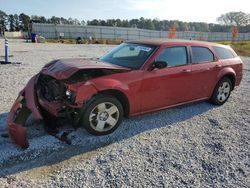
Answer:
(64, 68)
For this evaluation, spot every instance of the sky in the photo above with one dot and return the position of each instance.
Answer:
(183, 10)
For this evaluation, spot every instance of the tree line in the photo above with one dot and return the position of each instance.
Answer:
(14, 22)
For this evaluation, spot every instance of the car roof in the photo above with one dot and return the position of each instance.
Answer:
(158, 42)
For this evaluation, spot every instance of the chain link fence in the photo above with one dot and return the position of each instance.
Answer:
(52, 31)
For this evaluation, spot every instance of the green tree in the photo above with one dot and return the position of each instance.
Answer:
(134, 23)
(125, 23)
(24, 22)
(239, 19)
(83, 22)
(16, 22)
(102, 23)
(63, 21)
(3, 20)
(54, 20)
(141, 23)
(93, 22)
(111, 22)
(11, 22)
(76, 22)
(70, 21)
(148, 24)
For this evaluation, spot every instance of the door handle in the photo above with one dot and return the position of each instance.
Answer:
(187, 70)
(218, 66)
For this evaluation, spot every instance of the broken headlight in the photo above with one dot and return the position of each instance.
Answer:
(70, 95)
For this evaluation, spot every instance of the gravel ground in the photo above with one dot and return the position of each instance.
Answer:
(198, 145)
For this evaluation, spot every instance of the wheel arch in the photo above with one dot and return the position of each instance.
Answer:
(119, 95)
(230, 76)
(229, 73)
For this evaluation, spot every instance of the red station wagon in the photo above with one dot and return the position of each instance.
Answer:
(134, 78)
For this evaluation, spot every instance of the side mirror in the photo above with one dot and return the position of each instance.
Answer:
(159, 65)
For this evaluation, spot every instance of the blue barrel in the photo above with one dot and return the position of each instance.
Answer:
(33, 37)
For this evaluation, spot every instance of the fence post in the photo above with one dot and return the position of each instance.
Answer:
(101, 33)
(6, 45)
(86, 33)
(56, 36)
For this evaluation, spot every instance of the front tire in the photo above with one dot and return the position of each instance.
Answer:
(102, 115)
(222, 91)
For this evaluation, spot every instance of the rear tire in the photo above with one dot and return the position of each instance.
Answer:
(222, 91)
(102, 115)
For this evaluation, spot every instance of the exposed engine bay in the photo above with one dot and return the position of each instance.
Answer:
(50, 88)
(50, 96)
(55, 92)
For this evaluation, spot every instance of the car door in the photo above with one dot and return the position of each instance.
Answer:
(205, 68)
(167, 86)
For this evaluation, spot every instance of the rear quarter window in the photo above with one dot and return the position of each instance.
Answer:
(223, 53)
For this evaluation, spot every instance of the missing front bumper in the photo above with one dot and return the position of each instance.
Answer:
(28, 102)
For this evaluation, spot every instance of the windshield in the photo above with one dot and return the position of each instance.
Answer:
(129, 55)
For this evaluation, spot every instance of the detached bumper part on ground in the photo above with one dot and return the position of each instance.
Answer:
(16, 119)
(20, 111)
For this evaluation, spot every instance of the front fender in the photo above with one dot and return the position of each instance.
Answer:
(112, 84)
(108, 83)
(90, 88)
(85, 92)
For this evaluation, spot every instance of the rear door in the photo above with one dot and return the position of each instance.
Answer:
(205, 68)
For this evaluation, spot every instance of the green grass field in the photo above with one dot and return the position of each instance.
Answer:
(241, 48)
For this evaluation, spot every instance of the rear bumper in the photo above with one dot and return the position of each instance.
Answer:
(238, 80)
(25, 104)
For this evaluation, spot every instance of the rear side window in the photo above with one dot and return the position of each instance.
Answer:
(201, 55)
(174, 56)
(223, 53)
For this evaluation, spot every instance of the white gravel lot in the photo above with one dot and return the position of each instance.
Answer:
(198, 145)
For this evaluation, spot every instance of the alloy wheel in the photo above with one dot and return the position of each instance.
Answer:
(223, 91)
(104, 116)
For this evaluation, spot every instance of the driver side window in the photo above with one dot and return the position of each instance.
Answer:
(174, 56)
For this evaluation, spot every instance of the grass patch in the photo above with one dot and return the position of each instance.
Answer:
(85, 41)
(64, 41)
(241, 48)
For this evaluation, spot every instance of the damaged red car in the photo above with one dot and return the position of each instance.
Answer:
(134, 78)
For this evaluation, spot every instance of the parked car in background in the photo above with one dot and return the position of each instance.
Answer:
(134, 78)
